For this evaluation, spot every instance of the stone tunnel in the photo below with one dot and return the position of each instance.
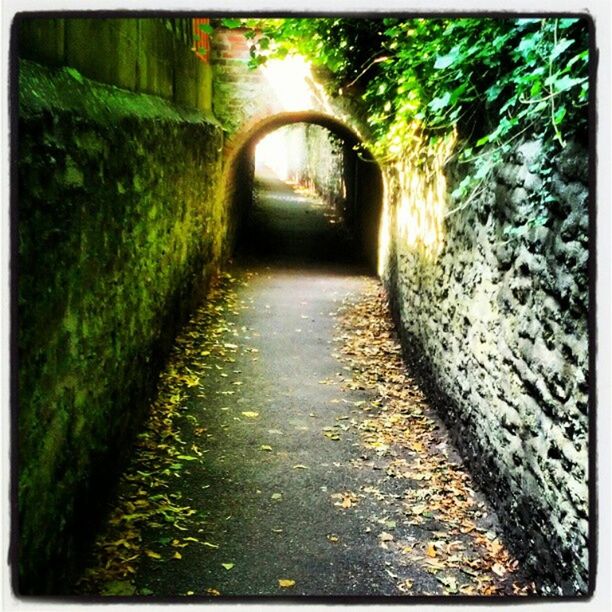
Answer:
(133, 177)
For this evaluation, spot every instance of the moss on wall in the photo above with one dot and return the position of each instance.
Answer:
(120, 227)
(152, 56)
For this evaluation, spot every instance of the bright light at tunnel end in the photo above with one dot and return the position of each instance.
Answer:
(290, 80)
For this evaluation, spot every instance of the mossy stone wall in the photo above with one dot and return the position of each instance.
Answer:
(120, 228)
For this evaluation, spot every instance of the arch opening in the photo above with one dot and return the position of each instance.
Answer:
(352, 190)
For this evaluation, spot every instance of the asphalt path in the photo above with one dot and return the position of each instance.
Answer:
(287, 499)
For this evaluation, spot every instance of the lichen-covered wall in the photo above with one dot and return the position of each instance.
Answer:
(120, 227)
(491, 294)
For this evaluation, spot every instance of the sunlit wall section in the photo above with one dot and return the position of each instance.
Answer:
(416, 203)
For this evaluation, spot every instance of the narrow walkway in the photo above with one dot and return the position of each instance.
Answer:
(289, 453)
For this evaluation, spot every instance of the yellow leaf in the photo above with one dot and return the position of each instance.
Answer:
(152, 554)
(249, 414)
(177, 555)
(265, 447)
(431, 551)
(346, 502)
(299, 466)
(285, 583)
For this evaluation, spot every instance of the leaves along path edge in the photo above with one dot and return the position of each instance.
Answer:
(432, 520)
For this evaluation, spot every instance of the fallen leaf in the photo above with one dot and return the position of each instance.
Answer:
(286, 583)
(227, 566)
(346, 502)
(499, 569)
(385, 537)
(431, 550)
(213, 592)
(249, 414)
(265, 447)
(299, 466)
(276, 496)
(152, 554)
(177, 555)
(332, 537)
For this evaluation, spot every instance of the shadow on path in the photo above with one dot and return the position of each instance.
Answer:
(291, 227)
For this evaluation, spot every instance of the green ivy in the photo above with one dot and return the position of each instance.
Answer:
(518, 74)
(493, 80)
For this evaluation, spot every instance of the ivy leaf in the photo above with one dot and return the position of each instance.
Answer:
(560, 47)
(493, 92)
(559, 115)
(440, 102)
(458, 91)
(206, 28)
(444, 61)
(563, 83)
(527, 44)
(526, 22)
(566, 23)
(228, 22)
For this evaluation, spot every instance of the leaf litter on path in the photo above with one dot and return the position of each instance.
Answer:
(397, 428)
(401, 430)
(160, 454)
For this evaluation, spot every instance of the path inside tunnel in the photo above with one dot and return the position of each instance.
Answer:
(289, 451)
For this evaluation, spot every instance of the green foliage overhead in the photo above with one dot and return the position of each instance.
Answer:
(491, 78)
